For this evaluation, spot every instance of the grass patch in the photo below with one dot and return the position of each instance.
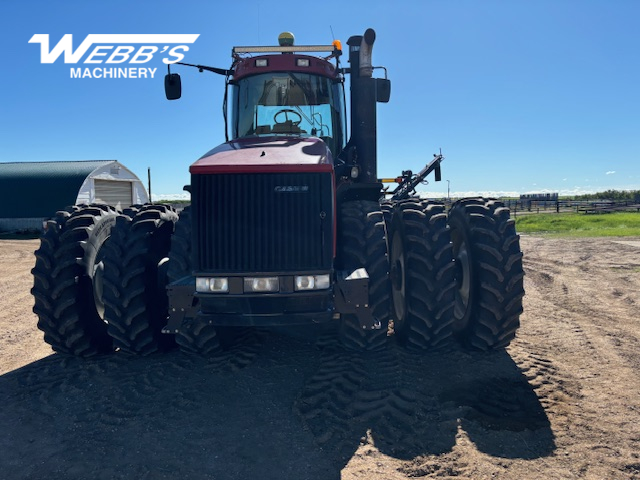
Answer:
(620, 224)
(626, 269)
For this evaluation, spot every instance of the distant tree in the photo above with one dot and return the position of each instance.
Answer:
(617, 195)
(174, 202)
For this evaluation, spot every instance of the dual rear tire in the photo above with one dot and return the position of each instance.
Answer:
(489, 273)
(458, 274)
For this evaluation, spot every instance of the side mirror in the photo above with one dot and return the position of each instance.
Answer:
(172, 86)
(383, 90)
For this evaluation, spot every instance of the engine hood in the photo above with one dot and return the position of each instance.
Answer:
(269, 154)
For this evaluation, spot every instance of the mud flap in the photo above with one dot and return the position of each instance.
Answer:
(352, 297)
(181, 304)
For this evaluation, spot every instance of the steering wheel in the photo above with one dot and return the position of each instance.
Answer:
(286, 112)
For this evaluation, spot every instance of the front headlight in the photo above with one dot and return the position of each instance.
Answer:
(215, 285)
(261, 284)
(312, 282)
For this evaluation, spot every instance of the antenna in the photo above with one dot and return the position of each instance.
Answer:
(258, 9)
(333, 37)
(149, 180)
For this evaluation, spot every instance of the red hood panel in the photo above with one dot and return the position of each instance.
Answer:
(266, 155)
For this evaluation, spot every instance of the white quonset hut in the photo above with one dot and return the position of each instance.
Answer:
(31, 192)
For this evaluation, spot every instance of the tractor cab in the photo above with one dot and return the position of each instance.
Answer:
(297, 92)
(284, 92)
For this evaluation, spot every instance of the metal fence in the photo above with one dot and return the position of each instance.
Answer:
(528, 206)
(571, 206)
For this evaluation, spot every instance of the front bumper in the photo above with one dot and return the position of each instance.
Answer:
(266, 309)
(348, 295)
(300, 308)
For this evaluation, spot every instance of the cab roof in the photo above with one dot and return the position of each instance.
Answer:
(283, 63)
(285, 59)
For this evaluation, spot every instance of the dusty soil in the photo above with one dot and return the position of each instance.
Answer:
(562, 402)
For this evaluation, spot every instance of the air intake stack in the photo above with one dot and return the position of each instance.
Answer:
(363, 104)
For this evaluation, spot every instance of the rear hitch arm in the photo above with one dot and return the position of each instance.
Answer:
(409, 181)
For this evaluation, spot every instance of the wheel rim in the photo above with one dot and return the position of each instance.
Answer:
(463, 278)
(397, 276)
(97, 283)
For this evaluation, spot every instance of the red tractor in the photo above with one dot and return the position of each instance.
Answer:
(289, 224)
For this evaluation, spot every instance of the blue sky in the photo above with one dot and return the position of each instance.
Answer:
(522, 96)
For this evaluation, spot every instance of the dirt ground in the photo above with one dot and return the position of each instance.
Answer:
(562, 402)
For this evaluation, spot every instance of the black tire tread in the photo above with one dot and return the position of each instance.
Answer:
(498, 275)
(362, 243)
(180, 252)
(135, 300)
(195, 336)
(64, 301)
(430, 281)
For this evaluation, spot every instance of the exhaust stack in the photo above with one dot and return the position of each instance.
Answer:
(366, 47)
(363, 105)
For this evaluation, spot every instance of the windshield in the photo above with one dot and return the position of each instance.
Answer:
(289, 103)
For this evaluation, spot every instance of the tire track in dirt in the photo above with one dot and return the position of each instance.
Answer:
(592, 302)
(324, 405)
(185, 405)
(562, 402)
(61, 383)
(411, 405)
(557, 390)
(18, 345)
(358, 398)
(581, 319)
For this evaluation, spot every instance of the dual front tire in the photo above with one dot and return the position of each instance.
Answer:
(434, 274)
(361, 243)
(195, 336)
(422, 274)
(99, 281)
(68, 280)
(135, 280)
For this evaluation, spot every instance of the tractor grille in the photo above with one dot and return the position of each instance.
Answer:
(263, 222)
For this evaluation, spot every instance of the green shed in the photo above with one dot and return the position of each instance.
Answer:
(31, 192)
